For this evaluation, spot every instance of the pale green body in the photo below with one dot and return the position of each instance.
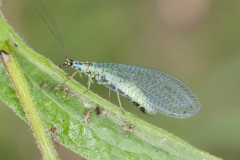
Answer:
(151, 90)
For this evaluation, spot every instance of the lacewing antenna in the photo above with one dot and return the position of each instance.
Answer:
(49, 27)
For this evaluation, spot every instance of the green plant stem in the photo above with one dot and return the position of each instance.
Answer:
(25, 96)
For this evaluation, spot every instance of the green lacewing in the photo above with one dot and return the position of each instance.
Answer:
(151, 90)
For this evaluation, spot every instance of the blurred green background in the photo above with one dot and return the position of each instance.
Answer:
(197, 41)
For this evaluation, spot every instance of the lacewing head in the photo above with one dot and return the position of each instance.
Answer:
(68, 63)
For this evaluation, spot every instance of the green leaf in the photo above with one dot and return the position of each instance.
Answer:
(105, 136)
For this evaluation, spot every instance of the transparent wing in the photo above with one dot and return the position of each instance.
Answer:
(154, 90)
